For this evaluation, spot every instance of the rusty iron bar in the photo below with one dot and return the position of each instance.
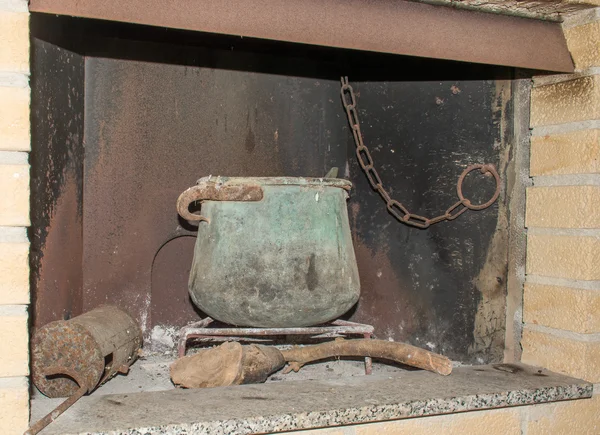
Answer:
(201, 331)
(396, 208)
(50, 417)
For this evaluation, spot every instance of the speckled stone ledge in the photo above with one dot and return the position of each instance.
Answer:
(285, 406)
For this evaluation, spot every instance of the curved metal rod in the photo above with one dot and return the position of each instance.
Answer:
(49, 418)
(485, 169)
(213, 191)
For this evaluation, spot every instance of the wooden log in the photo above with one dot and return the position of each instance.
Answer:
(227, 364)
(234, 364)
(398, 352)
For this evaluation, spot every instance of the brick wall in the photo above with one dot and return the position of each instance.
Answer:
(561, 306)
(14, 215)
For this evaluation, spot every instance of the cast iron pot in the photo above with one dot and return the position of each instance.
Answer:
(272, 252)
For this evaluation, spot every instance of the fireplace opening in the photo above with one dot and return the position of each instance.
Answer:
(125, 117)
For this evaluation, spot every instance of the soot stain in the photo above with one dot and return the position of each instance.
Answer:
(250, 142)
(312, 280)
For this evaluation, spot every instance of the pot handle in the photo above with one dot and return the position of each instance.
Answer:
(212, 191)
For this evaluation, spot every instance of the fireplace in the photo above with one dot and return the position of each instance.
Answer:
(126, 115)
(149, 115)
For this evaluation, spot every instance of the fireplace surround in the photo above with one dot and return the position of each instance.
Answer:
(148, 118)
(88, 90)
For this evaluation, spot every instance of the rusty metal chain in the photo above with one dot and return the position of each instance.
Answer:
(396, 208)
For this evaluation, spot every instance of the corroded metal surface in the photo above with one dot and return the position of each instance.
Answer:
(388, 26)
(57, 412)
(205, 331)
(57, 88)
(242, 189)
(214, 191)
(65, 344)
(485, 170)
(134, 249)
(284, 261)
(276, 181)
(396, 208)
(419, 286)
(95, 346)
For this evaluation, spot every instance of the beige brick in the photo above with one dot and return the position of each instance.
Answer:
(574, 257)
(14, 405)
(14, 200)
(566, 308)
(14, 343)
(16, 5)
(584, 44)
(14, 119)
(570, 101)
(576, 417)
(573, 357)
(576, 152)
(14, 37)
(563, 207)
(14, 273)
(495, 422)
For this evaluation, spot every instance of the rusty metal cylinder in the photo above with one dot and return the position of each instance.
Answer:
(88, 349)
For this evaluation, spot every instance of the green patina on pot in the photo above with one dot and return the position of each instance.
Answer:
(272, 252)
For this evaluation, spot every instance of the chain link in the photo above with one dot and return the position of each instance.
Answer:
(396, 208)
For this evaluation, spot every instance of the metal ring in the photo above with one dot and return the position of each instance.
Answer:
(488, 168)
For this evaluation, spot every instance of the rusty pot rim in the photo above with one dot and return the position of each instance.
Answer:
(279, 181)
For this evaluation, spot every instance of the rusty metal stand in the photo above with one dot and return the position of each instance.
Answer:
(338, 328)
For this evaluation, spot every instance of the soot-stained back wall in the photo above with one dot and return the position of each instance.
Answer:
(443, 288)
(164, 108)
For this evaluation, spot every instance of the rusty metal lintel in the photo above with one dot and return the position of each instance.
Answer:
(387, 26)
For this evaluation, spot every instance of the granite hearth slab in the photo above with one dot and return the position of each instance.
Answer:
(284, 406)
